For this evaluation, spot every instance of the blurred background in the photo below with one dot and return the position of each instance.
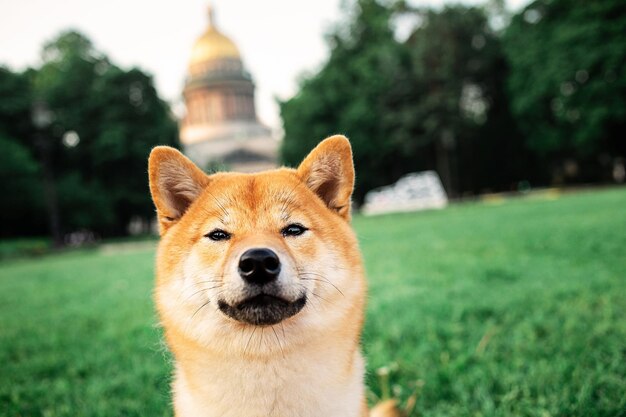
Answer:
(512, 114)
(493, 97)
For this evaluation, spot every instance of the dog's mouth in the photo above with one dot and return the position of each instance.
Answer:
(262, 309)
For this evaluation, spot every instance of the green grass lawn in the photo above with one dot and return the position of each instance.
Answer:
(516, 309)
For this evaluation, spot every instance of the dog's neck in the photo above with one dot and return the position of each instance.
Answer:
(318, 379)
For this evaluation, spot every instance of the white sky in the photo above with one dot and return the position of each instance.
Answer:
(278, 39)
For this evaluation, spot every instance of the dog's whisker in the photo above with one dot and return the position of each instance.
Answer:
(278, 341)
(245, 349)
(209, 281)
(322, 280)
(214, 287)
(288, 200)
(315, 303)
(217, 279)
(195, 293)
(220, 206)
(320, 297)
(203, 290)
(311, 301)
(201, 307)
(262, 338)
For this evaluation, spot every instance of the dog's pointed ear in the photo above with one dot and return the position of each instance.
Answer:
(329, 172)
(175, 183)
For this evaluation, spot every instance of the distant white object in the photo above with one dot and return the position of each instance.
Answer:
(413, 192)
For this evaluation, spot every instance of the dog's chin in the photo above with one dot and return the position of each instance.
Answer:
(262, 309)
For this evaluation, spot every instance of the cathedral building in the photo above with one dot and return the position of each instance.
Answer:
(220, 127)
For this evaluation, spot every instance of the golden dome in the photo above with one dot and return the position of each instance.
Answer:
(212, 45)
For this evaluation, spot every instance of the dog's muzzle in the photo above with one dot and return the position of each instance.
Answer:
(263, 309)
(263, 303)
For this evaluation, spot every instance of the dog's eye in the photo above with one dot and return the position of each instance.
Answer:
(293, 230)
(218, 234)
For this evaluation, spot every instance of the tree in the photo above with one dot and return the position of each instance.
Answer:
(117, 117)
(451, 110)
(106, 120)
(20, 189)
(346, 97)
(15, 106)
(568, 79)
(19, 170)
(433, 102)
(133, 120)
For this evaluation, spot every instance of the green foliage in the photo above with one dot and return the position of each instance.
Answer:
(19, 170)
(20, 189)
(568, 75)
(497, 310)
(16, 94)
(449, 112)
(346, 97)
(486, 111)
(433, 102)
(118, 117)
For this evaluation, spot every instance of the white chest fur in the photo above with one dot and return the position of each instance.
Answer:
(317, 383)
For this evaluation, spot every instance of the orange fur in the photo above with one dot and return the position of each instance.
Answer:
(309, 364)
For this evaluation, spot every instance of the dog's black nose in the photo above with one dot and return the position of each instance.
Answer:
(259, 266)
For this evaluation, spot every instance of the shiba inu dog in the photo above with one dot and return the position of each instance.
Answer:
(260, 287)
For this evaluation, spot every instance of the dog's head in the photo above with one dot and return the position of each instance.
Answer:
(243, 252)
